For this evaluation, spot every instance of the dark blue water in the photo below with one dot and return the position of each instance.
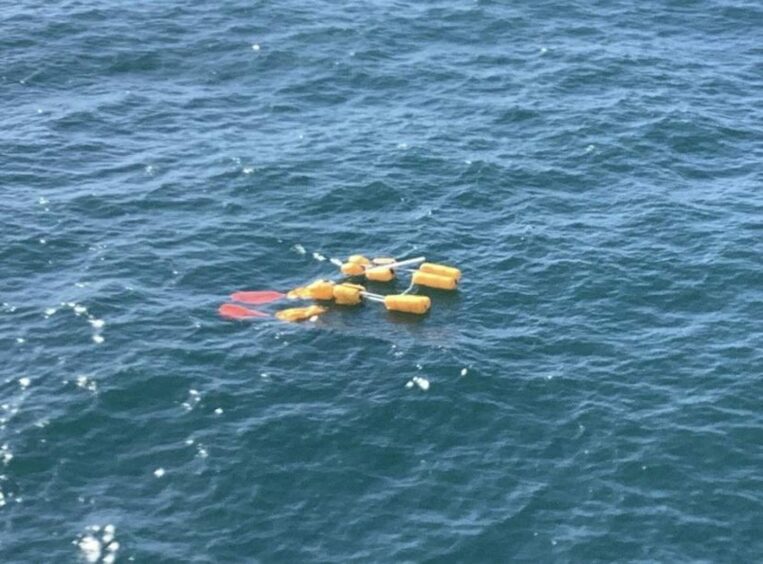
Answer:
(595, 385)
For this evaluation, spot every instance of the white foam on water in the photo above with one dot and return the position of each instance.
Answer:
(90, 547)
(159, 472)
(50, 311)
(98, 339)
(86, 384)
(409, 384)
(422, 383)
(108, 533)
(335, 262)
(79, 309)
(20, 340)
(219, 411)
(97, 323)
(248, 170)
(194, 398)
(255, 47)
(43, 200)
(201, 451)
(300, 249)
(5, 454)
(93, 543)
(24, 382)
(43, 241)
(319, 257)
(2, 498)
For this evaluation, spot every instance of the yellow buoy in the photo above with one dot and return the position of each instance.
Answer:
(299, 293)
(408, 304)
(318, 290)
(322, 290)
(441, 270)
(359, 259)
(348, 294)
(434, 280)
(353, 269)
(300, 313)
(380, 274)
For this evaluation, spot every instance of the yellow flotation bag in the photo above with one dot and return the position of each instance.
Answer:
(378, 274)
(318, 290)
(348, 294)
(300, 313)
(359, 259)
(409, 304)
(441, 270)
(434, 280)
(353, 269)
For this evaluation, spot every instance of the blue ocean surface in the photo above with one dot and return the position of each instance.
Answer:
(595, 385)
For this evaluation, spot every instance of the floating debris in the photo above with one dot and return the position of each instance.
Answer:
(159, 472)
